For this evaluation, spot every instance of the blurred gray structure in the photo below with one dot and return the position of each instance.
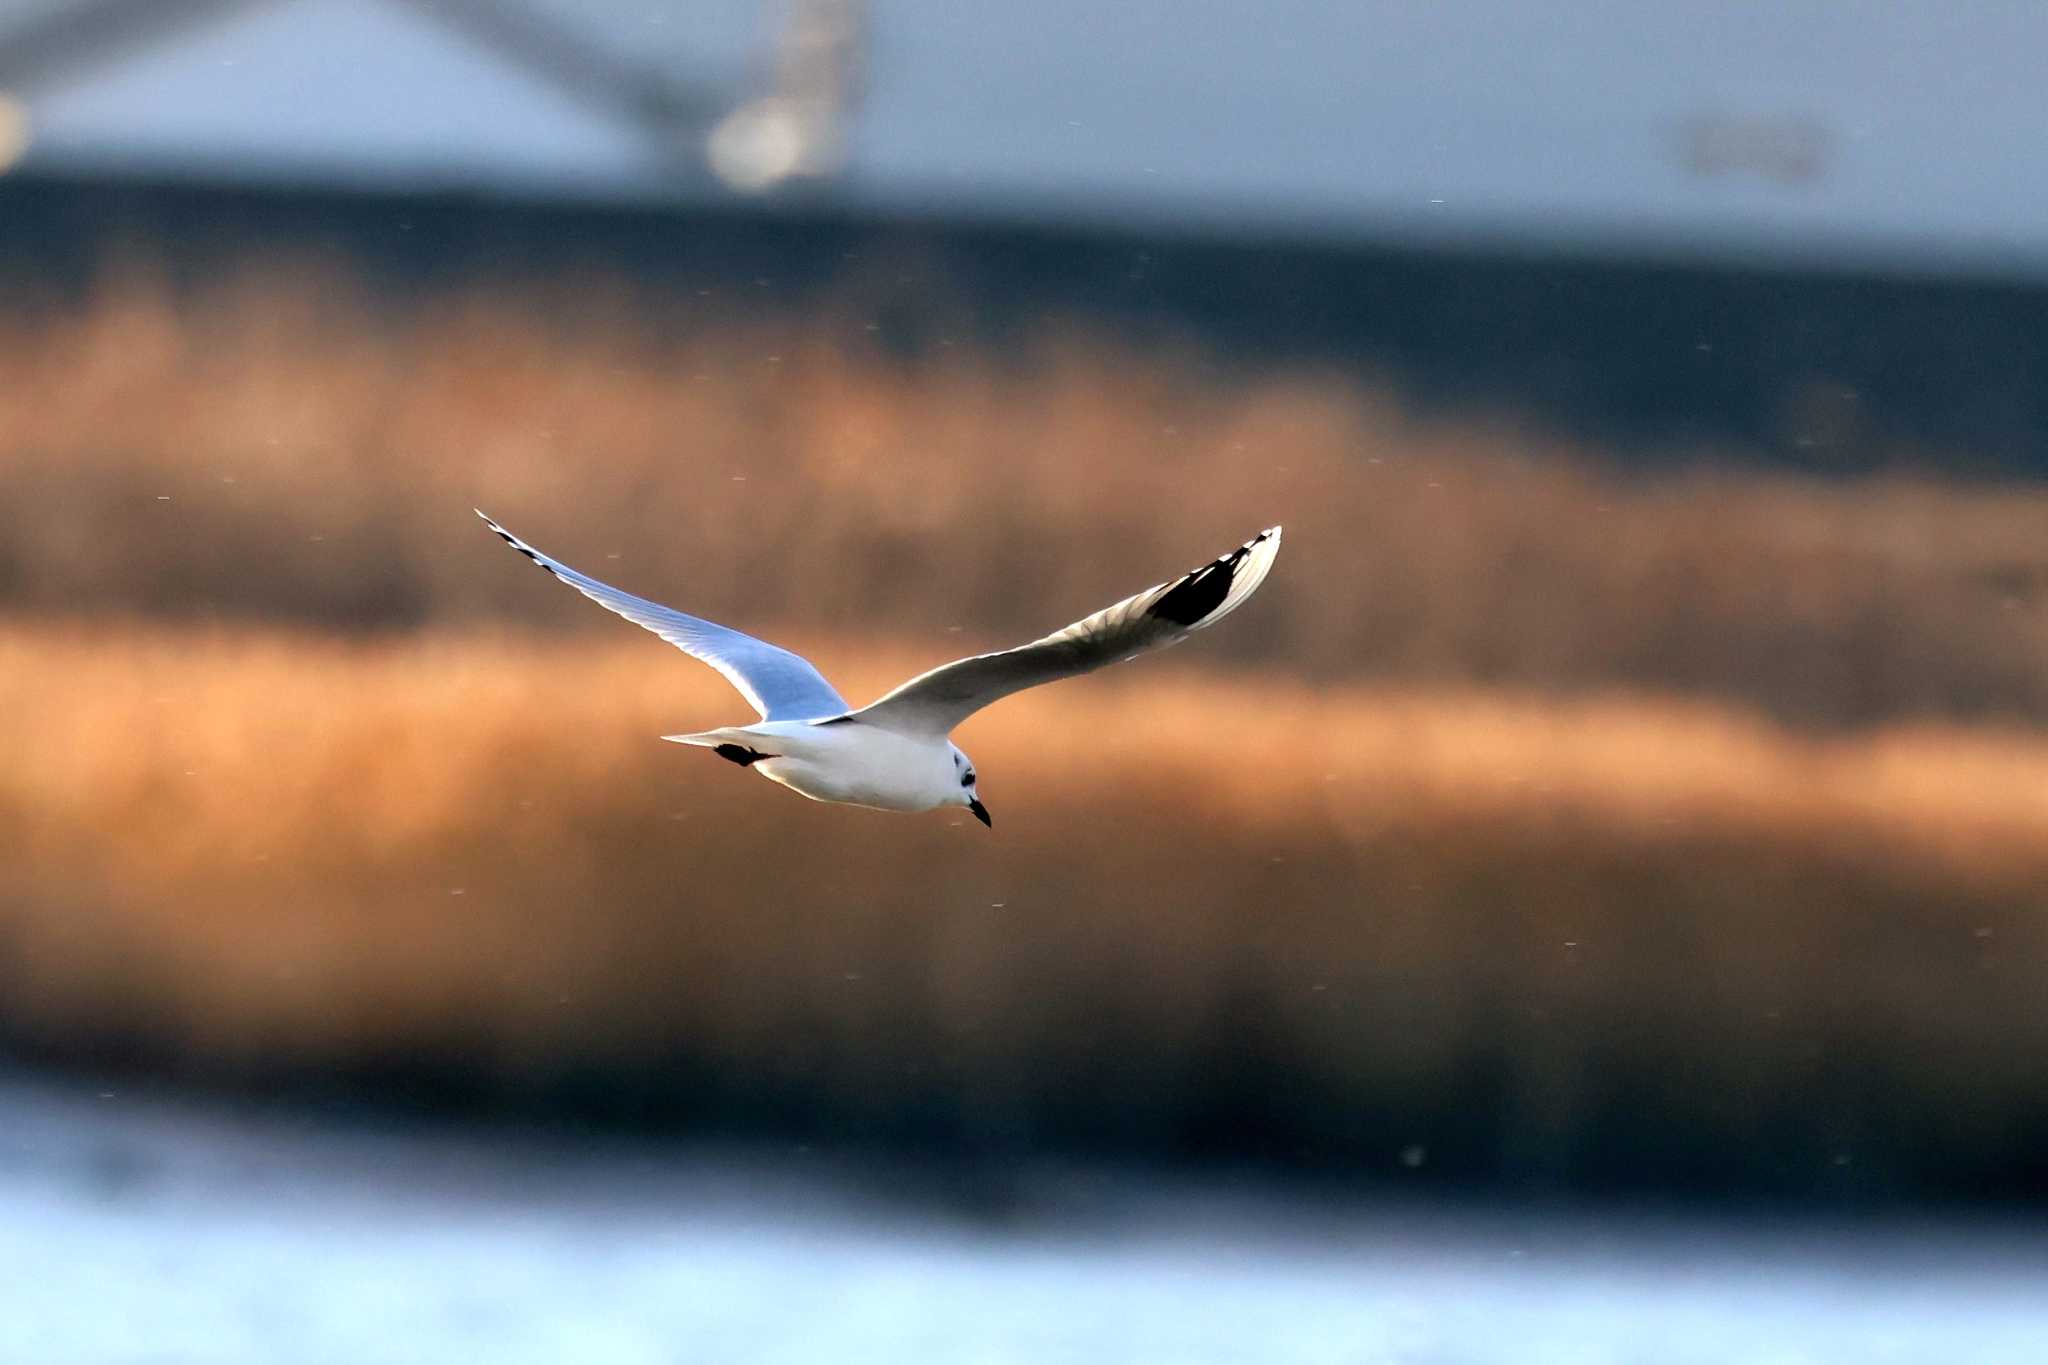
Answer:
(1901, 136)
(477, 81)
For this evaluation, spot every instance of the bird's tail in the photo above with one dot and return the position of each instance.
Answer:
(733, 742)
(729, 734)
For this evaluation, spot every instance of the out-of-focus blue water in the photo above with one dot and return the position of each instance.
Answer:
(135, 1231)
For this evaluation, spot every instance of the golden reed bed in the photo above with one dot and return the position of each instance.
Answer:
(1529, 937)
(282, 445)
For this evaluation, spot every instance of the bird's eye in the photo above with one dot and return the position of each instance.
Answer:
(967, 781)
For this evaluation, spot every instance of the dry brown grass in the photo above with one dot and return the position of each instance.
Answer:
(277, 446)
(1556, 940)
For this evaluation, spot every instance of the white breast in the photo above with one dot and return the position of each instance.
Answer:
(858, 764)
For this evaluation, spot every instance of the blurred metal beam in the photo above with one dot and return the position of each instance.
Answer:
(752, 139)
(52, 48)
(565, 58)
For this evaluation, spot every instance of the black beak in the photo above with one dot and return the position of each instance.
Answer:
(980, 811)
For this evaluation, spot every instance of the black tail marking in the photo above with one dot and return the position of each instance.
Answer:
(740, 754)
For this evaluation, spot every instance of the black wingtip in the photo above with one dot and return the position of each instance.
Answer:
(515, 542)
(1203, 590)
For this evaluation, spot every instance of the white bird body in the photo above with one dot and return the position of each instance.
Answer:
(896, 753)
(857, 765)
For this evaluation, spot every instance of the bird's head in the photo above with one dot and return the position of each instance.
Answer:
(964, 793)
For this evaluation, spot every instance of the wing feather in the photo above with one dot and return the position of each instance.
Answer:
(778, 684)
(1165, 614)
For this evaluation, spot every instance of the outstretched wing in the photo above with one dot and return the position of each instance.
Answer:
(933, 703)
(778, 684)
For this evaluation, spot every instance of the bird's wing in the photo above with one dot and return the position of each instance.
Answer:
(933, 703)
(778, 684)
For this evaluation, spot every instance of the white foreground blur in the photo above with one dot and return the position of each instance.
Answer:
(173, 1232)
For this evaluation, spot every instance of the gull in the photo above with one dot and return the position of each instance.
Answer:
(897, 753)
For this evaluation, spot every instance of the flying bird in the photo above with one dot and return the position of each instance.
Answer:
(897, 753)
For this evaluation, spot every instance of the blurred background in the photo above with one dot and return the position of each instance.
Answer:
(1591, 906)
